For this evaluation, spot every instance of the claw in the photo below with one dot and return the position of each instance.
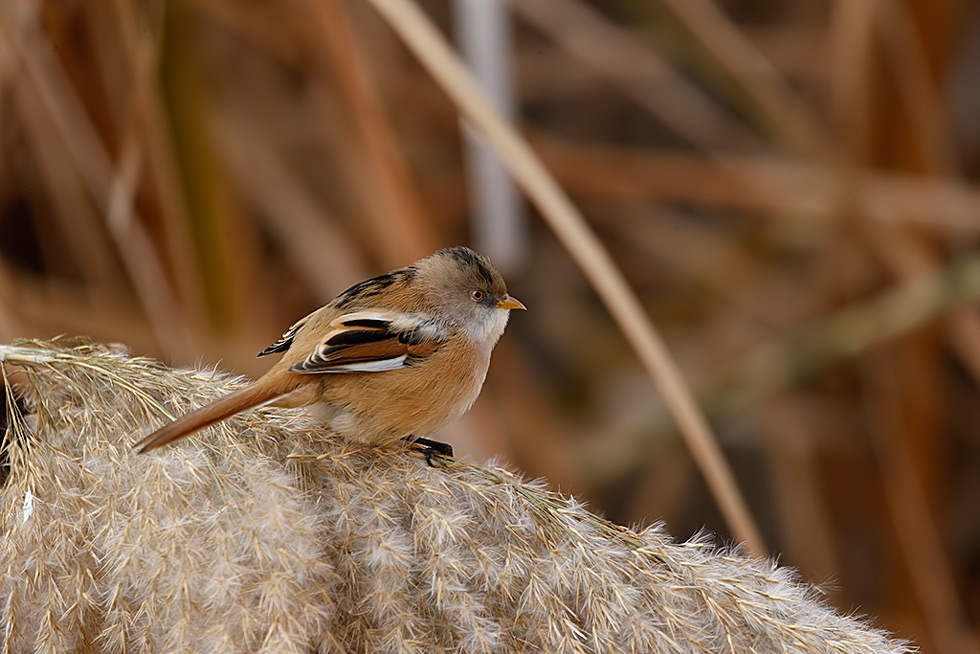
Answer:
(430, 448)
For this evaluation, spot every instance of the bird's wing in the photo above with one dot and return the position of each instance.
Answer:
(373, 341)
(286, 340)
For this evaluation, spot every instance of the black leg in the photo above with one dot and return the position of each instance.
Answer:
(430, 448)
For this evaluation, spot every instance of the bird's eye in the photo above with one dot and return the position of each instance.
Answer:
(477, 295)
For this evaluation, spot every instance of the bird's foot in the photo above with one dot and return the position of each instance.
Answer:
(430, 448)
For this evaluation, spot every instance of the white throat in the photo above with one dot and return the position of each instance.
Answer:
(485, 333)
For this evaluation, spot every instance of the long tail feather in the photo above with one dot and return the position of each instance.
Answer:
(225, 407)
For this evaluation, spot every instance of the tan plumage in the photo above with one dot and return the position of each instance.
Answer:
(398, 355)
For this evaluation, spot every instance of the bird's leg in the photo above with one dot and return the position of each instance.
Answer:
(430, 448)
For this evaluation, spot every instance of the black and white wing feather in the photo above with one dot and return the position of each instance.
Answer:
(373, 341)
(286, 340)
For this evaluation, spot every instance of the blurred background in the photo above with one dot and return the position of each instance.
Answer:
(788, 186)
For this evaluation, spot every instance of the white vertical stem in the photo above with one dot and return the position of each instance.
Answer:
(483, 32)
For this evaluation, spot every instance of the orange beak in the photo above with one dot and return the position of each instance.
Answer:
(509, 302)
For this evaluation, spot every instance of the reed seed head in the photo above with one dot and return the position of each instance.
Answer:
(268, 534)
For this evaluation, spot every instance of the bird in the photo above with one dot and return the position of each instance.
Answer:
(395, 357)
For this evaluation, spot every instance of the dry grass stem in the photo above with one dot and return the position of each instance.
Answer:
(396, 212)
(630, 64)
(111, 190)
(776, 365)
(792, 188)
(267, 534)
(915, 528)
(852, 330)
(737, 55)
(325, 254)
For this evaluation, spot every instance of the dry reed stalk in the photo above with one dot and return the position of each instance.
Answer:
(630, 64)
(268, 534)
(731, 49)
(848, 332)
(390, 196)
(843, 334)
(792, 187)
(917, 533)
(324, 253)
(110, 189)
(806, 519)
(910, 255)
(51, 306)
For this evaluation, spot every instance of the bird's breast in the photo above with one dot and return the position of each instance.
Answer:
(415, 400)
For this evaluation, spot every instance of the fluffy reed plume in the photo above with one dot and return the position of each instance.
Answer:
(266, 534)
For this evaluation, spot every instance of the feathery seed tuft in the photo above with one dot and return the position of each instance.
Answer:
(268, 534)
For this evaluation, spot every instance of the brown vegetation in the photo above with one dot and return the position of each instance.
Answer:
(267, 534)
(787, 191)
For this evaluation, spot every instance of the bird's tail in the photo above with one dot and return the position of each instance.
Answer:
(224, 407)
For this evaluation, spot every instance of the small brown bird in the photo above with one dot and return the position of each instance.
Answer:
(394, 357)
